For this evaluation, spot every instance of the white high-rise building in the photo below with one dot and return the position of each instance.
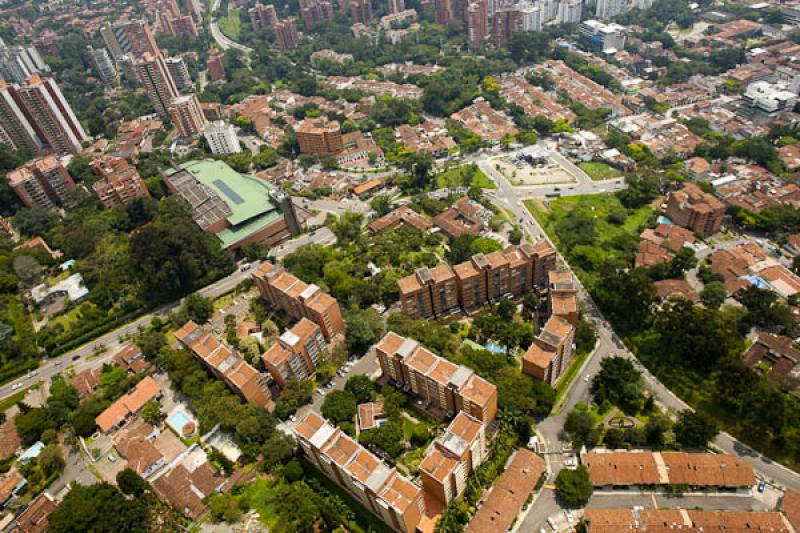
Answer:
(569, 11)
(642, 4)
(548, 9)
(18, 63)
(607, 9)
(222, 138)
(530, 17)
(180, 74)
(104, 65)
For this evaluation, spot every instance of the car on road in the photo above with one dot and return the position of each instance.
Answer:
(762, 486)
(293, 418)
(58, 363)
(16, 386)
(76, 357)
(586, 378)
(245, 267)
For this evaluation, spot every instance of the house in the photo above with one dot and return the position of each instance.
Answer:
(464, 217)
(616, 520)
(131, 359)
(365, 189)
(34, 518)
(370, 415)
(72, 288)
(130, 404)
(10, 485)
(776, 354)
(680, 288)
(9, 438)
(402, 216)
(86, 382)
(697, 168)
(188, 482)
(790, 507)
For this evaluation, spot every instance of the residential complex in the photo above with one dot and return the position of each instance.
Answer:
(483, 279)
(551, 352)
(16, 129)
(133, 39)
(696, 210)
(43, 183)
(119, 182)
(187, 115)
(19, 63)
(319, 136)
(223, 363)
(180, 73)
(615, 520)
(453, 457)
(154, 74)
(297, 353)
(238, 208)
(382, 490)
(299, 300)
(221, 138)
(440, 384)
(128, 406)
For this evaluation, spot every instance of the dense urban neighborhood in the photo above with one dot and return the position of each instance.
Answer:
(412, 266)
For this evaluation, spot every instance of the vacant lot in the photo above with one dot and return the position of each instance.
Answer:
(526, 175)
(599, 171)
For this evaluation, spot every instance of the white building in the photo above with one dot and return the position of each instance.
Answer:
(569, 11)
(607, 9)
(18, 63)
(768, 99)
(531, 17)
(104, 65)
(597, 36)
(222, 138)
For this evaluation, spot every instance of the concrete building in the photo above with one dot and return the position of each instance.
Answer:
(297, 353)
(440, 384)
(180, 74)
(104, 65)
(484, 278)
(130, 38)
(398, 502)
(477, 22)
(597, 36)
(215, 67)
(221, 137)
(119, 182)
(16, 129)
(19, 63)
(569, 11)
(361, 10)
(286, 36)
(43, 183)
(453, 457)
(153, 73)
(50, 115)
(262, 16)
(396, 6)
(512, 19)
(767, 100)
(187, 115)
(696, 210)
(238, 208)
(224, 364)
(313, 10)
(446, 11)
(319, 136)
(178, 26)
(298, 300)
(562, 297)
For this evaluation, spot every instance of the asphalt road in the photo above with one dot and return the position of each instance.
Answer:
(323, 236)
(80, 357)
(220, 37)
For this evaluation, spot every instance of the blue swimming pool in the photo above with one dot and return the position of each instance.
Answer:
(494, 347)
(663, 220)
(178, 421)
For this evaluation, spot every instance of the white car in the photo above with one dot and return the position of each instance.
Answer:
(586, 378)
(16, 386)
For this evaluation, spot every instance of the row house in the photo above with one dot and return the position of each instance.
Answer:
(296, 354)
(237, 373)
(398, 502)
(438, 382)
(453, 457)
(299, 300)
(483, 279)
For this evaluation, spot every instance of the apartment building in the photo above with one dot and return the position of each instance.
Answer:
(477, 22)
(361, 10)
(180, 74)
(103, 65)
(696, 210)
(220, 360)
(429, 292)
(262, 16)
(562, 297)
(222, 138)
(297, 299)
(129, 38)
(187, 115)
(296, 354)
(453, 457)
(215, 67)
(551, 351)
(398, 502)
(438, 382)
(51, 115)
(319, 136)
(16, 129)
(119, 182)
(18, 63)
(286, 35)
(483, 279)
(42, 183)
(154, 74)
(313, 10)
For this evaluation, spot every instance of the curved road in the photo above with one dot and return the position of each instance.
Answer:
(220, 37)
(608, 344)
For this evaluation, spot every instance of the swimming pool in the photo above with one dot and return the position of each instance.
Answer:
(495, 348)
(178, 421)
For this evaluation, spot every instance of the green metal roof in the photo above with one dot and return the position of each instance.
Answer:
(246, 196)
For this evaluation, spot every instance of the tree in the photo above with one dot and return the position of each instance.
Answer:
(364, 328)
(150, 342)
(418, 166)
(98, 507)
(277, 449)
(27, 269)
(619, 383)
(30, 425)
(581, 428)
(339, 406)
(226, 507)
(197, 308)
(714, 294)
(151, 413)
(573, 486)
(655, 430)
(265, 158)
(695, 429)
(388, 437)
(347, 227)
(515, 235)
(381, 204)
(51, 460)
(361, 387)
(131, 483)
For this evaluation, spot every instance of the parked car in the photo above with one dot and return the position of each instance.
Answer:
(762, 486)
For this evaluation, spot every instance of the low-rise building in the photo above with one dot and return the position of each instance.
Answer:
(119, 182)
(402, 216)
(616, 520)
(297, 353)
(129, 405)
(221, 361)
(297, 299)
(34, 518)
(464, 217)
(398, 502)
(442, 385)
(775, 354)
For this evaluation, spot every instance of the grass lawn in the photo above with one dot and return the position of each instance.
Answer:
(569, 375)
(231, 24)
(258, 494)
(412, 459)
(460, 176)
(7, 403)
(599, 171)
